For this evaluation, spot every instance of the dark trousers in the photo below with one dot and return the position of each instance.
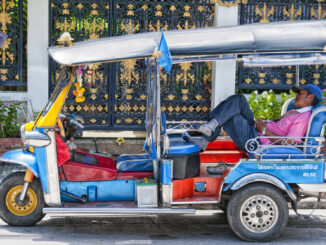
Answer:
(236, 118)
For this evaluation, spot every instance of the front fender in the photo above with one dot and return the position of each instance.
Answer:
(22, 157)
(262, 177)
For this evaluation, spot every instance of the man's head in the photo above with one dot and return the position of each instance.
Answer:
(307, 95)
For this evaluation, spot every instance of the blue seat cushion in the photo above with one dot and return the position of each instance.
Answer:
(136, 162)
(180, 147)
(282, 153)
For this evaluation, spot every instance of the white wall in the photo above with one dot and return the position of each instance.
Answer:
(37, 45)
(223, 82)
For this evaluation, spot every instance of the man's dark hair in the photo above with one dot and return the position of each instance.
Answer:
(315, 100)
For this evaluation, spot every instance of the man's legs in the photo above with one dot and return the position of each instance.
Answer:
(233, 105)
(236, 118)
(240, 131)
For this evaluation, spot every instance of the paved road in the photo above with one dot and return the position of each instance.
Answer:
(205, 228)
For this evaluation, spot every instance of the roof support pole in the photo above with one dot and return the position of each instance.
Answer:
(297, 75)
(224, 72)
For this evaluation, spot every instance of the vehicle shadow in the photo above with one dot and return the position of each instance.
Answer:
(199, 229)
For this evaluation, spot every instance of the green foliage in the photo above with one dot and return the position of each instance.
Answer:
(9, 126)
(268, 105)
(324, 97)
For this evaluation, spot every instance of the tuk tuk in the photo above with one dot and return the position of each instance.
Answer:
(170, 178)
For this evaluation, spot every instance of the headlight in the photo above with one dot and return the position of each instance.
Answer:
(22, 133)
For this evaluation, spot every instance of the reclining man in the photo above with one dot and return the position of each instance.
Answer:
(237, 120)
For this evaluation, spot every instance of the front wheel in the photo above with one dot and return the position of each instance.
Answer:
(17, 213)
(257, 213)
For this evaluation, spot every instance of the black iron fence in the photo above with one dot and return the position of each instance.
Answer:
(116, 93)
(281, 10)
(13, 22)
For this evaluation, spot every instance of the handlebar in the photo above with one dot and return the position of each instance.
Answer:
(77, 124)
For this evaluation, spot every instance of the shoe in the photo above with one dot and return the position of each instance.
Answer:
(219, 170)
(200, 141)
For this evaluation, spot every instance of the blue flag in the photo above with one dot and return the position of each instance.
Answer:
(165, 60)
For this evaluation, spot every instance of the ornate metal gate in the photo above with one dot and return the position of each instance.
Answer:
(13, 16)
(116, 93)
(281, 10)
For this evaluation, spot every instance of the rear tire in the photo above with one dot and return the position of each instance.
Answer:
(14, 213)
(257, 213)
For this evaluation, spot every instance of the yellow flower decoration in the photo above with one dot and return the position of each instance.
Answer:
(79, 93)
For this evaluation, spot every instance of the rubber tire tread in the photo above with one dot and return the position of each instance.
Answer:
(236, 201)
(14, 179)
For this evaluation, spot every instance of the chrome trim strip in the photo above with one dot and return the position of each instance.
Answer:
(262, 177)
(197, 202)
(116, 211)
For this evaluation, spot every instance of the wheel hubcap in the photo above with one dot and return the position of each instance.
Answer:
(259, 213)
(21, 208)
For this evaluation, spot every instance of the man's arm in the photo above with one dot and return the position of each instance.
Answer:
(260, 125)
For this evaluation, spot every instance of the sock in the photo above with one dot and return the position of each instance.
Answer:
(200, 141)
(209, 127)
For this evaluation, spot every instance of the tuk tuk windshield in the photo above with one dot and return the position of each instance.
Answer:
(63, 79)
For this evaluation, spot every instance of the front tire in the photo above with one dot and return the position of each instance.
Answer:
(257, 213)
(12, 211)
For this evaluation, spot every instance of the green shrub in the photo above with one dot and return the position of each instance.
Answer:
(268, 105)
(9, 126)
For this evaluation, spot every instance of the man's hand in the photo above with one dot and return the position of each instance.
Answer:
(323, 149)
(260, 125)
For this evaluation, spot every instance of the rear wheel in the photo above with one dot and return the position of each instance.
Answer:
(257, 213)
(17, 213)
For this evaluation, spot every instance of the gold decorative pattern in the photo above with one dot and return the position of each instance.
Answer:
(292, 13)
(186, 82)
(264, 13)
(94, 9)
(248, 80)
(5, 18)
(289, 77)
(229, 3)
(130, 27)
(128, 72)
(187, 13)
(262, 76)
(185, 67)
(80, 6)
(144, 7)
(319, 14)
(316, 77)
(130, 10)
(158, 26)
(158, 10)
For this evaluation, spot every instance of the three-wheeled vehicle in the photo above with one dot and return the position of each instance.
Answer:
(171, 177)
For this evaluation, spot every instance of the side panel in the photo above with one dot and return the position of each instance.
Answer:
(41, 163)
(53, 198)
(48, 167)
(22, 157)
(114, 190)
(291, 171)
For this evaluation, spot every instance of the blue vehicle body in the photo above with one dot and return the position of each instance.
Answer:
(22, 157)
